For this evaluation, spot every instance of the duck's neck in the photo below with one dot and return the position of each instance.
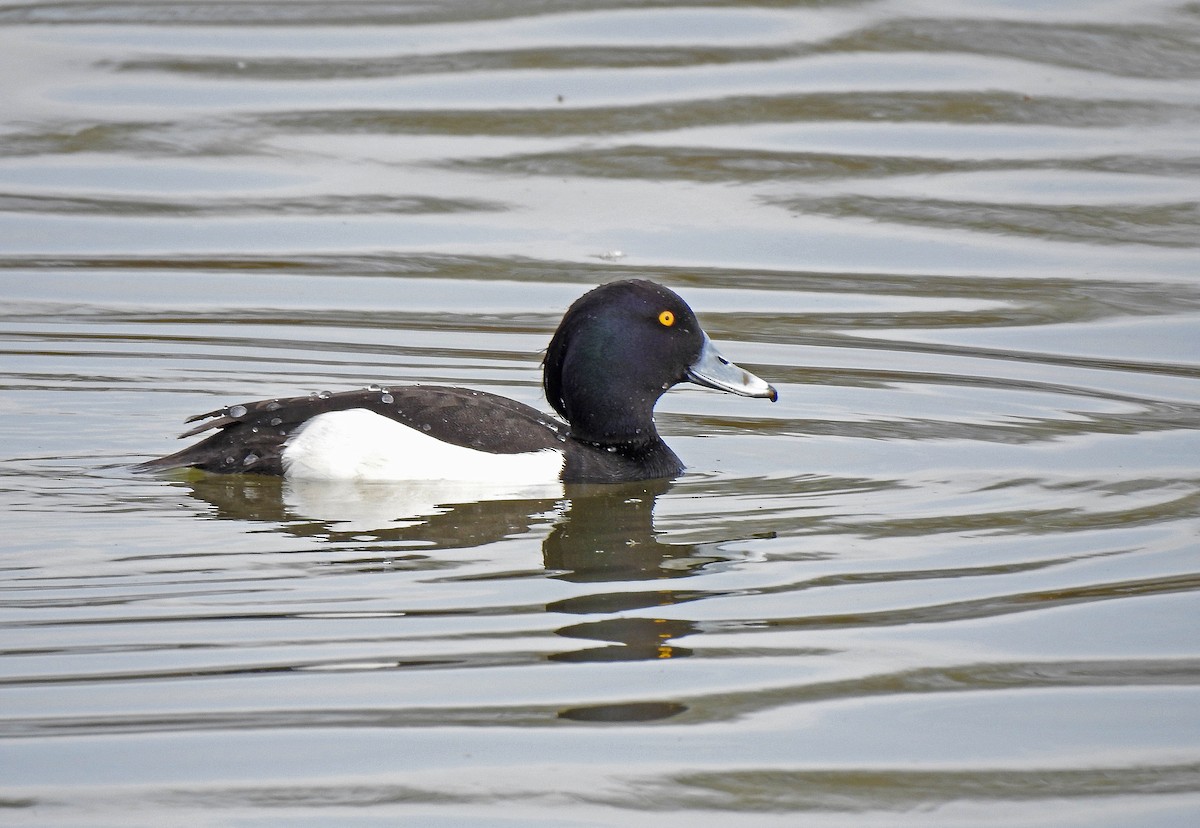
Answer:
(616, 462)
(596, 420)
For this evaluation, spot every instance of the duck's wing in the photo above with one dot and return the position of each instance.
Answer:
(250, 437)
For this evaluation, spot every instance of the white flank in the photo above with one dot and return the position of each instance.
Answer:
(358, 444)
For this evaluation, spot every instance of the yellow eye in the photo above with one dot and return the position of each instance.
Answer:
(666, 319)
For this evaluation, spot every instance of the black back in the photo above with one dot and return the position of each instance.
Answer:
(250, 437)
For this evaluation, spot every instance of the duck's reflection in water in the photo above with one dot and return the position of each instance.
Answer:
(599, 534)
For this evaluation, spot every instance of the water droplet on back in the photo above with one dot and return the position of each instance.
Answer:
(324, 395)
(387, 398)
(236, 411)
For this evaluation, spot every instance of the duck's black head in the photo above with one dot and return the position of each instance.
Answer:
(619, 348)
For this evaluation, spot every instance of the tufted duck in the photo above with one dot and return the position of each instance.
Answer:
(616, 351)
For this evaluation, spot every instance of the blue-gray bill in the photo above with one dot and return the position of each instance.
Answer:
(715, 371)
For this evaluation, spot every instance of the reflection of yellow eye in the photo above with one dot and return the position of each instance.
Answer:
(666, 318)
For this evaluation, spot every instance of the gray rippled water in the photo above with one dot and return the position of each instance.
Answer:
(949, 579)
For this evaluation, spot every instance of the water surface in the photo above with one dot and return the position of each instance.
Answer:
(950, 578)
